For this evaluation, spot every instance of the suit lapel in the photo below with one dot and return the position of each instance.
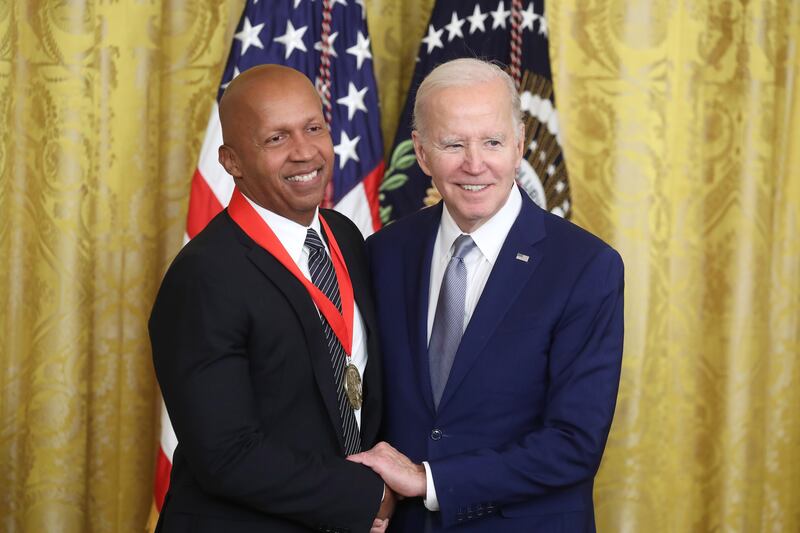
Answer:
(306, 312)
(418, 253)
(502, 289)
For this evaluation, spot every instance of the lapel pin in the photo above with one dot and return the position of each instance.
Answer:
(522, 257)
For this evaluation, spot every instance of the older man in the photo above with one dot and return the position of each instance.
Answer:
(263, 335)
(501, 329)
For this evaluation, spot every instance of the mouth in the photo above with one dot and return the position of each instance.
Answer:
(303, 178)
(472, 188)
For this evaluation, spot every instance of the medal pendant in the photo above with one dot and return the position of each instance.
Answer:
(352, 386)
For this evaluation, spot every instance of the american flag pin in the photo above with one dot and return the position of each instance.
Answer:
(522, 257)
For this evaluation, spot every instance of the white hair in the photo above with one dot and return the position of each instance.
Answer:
(462, 72)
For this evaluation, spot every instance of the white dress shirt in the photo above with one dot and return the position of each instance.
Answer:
(489, 238)
(293, 237)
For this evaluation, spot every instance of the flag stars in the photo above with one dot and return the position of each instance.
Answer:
(235, 74)
(360, 50)
(363, 9)
(528, 17)
(476, 20)
(499, 16)
(249, 36)
(454, 28)
(331, 38)
(346, 149)
(434, 38)
(542, 26)
(354, 100)
(292, 39)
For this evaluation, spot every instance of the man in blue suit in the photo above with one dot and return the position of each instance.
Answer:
(501, 327)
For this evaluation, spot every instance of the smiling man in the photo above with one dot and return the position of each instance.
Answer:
(264, 335)
(501, 330)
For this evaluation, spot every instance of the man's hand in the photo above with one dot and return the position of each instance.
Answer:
(385, 512)
(401, 475)
(379, 525)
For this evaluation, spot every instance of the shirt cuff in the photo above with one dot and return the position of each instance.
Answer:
(430, 501)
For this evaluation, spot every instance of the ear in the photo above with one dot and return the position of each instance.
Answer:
(227, 158)
(521, 143)
(419, 150)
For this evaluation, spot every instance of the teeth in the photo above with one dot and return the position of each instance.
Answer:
(303, 177)
(473, 187)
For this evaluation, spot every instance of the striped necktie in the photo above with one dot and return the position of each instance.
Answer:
(323, 276)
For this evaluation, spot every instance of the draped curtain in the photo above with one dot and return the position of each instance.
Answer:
(103, 106)
(682, 125)
(681, 122)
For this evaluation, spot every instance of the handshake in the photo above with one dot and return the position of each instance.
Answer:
(402, 477)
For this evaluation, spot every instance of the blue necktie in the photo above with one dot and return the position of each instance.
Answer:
(324, 277)
(448, 322)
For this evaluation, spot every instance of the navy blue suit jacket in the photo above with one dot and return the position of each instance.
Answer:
(525, 414)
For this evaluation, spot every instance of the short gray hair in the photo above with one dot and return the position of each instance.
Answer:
(459, 73)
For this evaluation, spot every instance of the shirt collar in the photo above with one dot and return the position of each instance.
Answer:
(291, 234)
(490, 236)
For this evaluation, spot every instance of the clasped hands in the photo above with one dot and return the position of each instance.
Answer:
(403, 478)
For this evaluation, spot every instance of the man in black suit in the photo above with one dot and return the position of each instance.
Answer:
(264, 337)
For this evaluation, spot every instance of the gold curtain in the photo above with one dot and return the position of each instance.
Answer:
(679, 120)
(682, 126)
(104, 105)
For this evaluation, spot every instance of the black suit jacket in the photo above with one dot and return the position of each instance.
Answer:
(244, 368)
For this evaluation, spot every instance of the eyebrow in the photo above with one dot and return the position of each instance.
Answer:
(284, 127)
(451, 139)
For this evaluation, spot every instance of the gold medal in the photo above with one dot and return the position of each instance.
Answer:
(352, 386)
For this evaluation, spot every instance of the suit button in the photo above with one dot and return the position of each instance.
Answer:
(436, 434)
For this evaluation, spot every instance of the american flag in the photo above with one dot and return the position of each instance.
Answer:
(514, 33)
(329, 42)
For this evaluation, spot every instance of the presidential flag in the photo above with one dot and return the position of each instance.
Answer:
(329, 42)
(513, 33)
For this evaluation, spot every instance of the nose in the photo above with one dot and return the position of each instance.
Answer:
(473, 159)
(302, 149)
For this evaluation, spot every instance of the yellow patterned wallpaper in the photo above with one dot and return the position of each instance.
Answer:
(681, 124)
